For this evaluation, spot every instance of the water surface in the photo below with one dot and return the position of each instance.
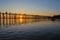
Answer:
(31, 30)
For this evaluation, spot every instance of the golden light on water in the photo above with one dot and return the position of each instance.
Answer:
(21, 20)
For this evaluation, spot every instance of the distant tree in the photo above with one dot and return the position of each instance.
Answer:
(56, 16)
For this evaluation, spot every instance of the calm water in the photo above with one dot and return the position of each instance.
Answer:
(31, 30)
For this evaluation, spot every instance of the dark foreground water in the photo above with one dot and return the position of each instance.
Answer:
(43, 30)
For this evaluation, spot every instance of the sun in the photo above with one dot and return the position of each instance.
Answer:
(21, 16)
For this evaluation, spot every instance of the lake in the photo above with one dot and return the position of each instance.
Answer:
(30, 29)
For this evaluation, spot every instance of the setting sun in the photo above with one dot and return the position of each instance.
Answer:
(21, 16)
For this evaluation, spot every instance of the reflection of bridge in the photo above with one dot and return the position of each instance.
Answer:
(9, 18)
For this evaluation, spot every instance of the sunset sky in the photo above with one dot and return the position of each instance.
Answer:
(40, 7)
